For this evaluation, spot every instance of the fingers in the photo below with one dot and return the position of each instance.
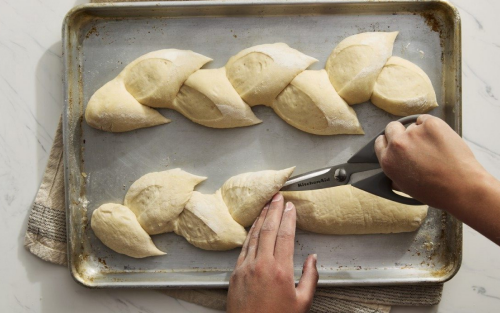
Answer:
(309, 280)
(254, 237)
(393, 129)
(380, 146)
(283, 251)
(244, 248)
(270, 227)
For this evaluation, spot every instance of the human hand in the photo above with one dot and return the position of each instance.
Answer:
(428, 161)
(263, 279)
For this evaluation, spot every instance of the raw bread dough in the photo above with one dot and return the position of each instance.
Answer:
(113, 109)
(354, 65)
(403, 89)
(208, 98)
(207, 224)
(311, 104)
(158, 198)
(117, 227)
(261, 72)
(347, 210)
(246, 194)
(155, 78)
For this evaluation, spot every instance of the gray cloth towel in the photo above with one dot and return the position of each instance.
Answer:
(46, 238)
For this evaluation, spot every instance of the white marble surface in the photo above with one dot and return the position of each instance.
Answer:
(31, 102)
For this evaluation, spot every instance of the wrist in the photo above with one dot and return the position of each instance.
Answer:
(475, 187)
(479, 207)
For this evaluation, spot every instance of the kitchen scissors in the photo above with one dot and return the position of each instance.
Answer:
(362, 171)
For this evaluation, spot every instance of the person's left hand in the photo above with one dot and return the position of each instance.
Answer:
(263, 280)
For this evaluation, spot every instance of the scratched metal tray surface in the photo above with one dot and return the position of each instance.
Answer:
(100, 39)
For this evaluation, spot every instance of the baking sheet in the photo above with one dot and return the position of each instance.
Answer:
(100, 39)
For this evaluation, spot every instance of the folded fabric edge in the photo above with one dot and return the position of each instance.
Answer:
(55, 253)
(323, 304)
(410, 295)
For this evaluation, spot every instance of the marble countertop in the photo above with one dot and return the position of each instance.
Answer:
(31, 102)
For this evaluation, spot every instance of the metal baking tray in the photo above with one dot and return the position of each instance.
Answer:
(100, 39)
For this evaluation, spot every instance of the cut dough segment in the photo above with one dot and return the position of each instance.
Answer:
(158, 198)
(261, 72)
(117, 227)
(208, 98)
(113, 109)
(207, 224)
(155, 78)
(346, 210)
(403, 89)
(246, 194)
(354, 65)
(311, 104)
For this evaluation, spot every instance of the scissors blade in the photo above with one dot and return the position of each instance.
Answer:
(327, 177)
(319, 179)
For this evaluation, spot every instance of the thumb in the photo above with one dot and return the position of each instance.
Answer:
(309, 280)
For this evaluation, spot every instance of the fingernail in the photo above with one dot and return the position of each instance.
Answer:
(315, 258)
(277, 197)
(266, 207)
(288, 207)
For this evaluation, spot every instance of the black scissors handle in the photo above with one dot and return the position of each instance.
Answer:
(367, 153)
(379, 184)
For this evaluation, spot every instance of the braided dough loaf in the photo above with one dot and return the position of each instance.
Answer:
(215, 222)
(270, 74)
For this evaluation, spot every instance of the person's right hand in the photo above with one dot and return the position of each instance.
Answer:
(429, 161)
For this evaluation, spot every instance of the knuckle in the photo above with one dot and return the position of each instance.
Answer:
(236, 275)
(398, 143)
(261, 268)
(281, 275)
(392, 124)
(256, 270)
(233, 279)
(432, 124)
